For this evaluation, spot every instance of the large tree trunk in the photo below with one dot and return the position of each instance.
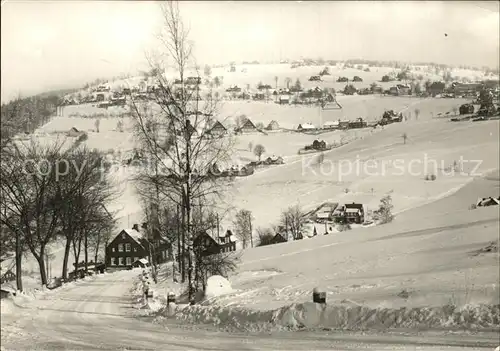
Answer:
(183, 244)
(41, 264)
(86, 247)
(98, 243)
(19, 258)
(67, 249)
(77, 245)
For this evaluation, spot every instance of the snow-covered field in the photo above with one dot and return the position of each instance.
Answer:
(423, 270)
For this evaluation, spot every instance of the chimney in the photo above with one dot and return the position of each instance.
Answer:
(135, 227)
(145, 225)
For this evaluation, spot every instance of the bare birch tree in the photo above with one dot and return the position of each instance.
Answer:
(174, 132)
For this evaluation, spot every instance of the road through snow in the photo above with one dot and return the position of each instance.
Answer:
(99, 315)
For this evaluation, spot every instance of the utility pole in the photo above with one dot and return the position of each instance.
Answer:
(188, 210)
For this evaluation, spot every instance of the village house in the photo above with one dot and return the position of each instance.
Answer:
(467, 89)
(306, 126)
(278, 239)
(331, 125)
(349, 213)
(274, 160)
(273, 125)
(227, 241)
(205, 245)
(217, 129)
(131, 245)
(247, 127)
(284, 99)
(259, 96)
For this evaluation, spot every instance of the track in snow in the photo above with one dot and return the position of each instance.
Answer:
(99, 315)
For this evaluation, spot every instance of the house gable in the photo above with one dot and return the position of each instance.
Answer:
(125, 237)
(248, 125)
(218, 127)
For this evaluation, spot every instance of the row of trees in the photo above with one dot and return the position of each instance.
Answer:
(51, 195)
(26, 114)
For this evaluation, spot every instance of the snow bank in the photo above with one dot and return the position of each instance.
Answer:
(311, 315)
(217, 286)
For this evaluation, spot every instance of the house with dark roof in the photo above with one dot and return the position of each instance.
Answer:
(131, 245)
(217, 129)
(488, 201)
(227, 241)
(248, 127)
(349, 213)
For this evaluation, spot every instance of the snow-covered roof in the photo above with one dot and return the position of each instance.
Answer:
(323, 215)
(232, 239)
(143, 261)
(331, 123)
(134, 234)
(307, 126)
(352, 210)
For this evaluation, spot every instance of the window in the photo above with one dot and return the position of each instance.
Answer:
(123, 236)
(113, 249)
(113, 261)
(120, 261)
(120, 247)
(135, 259)
(128, 261)
(128, 247)
(135, 249)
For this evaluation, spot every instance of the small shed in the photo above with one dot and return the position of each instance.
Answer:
(73, 132)
(140, 263)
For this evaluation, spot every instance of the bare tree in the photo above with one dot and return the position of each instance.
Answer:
(384, 212)
(276, 82)
(293, 219)
(97, 123)
(250, 146)
(243, 227)
(178, 141)
(85, 190)
(30, 196)
(259, 150)
(240, 121)
(288, 81)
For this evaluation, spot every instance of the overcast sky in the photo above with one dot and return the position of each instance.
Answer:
(47, 45)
